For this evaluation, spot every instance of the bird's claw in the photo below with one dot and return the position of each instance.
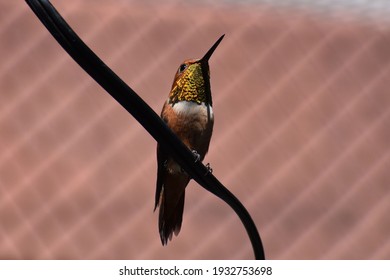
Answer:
(196, 155)
(209, 169)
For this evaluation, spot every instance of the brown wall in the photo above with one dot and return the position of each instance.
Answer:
(301, 136)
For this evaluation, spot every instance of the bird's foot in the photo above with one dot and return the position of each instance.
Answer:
(196, 155)
(209, 169)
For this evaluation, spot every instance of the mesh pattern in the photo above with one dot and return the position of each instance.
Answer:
(301, 136)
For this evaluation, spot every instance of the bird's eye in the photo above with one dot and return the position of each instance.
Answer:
(182, 67)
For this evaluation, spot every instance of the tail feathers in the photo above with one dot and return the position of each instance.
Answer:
(171, 205)
(170, 219)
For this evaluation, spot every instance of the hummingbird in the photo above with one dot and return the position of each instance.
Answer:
(189, 114)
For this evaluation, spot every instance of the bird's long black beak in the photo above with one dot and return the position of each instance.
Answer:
(207, 56)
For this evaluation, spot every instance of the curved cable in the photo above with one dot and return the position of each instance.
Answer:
(141, 111)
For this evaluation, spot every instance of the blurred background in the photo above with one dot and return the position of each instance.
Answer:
(301, 137)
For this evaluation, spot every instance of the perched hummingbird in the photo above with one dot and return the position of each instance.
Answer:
(188, 113)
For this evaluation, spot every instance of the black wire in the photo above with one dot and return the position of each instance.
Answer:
(125, 96)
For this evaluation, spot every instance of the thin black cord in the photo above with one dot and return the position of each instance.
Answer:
(141, 111)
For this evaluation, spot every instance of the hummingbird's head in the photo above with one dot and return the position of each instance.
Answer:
(192, 80)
